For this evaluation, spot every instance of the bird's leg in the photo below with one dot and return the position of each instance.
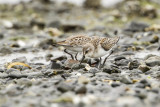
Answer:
(99, 64)
(65, 50)
(106, 58)
(89, 62)
(76, 56)
(82, 59)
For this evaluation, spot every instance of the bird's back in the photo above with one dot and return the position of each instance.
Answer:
(108, 43)
(79, 40)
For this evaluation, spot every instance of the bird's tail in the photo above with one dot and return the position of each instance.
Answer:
(61, 43)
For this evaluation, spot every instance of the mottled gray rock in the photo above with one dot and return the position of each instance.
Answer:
(78, 66)
(48, 57)
(126, 79)
(56, 65)
(133, 64)
(135, 26)
(1, 35)
(13, 71)
(5, 50)
(69, 63)
(91, 4)
(111, 70)
(64, 87)
(119, 58)
(144, 68)
(153, 61)
(80, 89)
(94, 70)
(1, 70)
(114, 84)
(122, 62)
(129, 101)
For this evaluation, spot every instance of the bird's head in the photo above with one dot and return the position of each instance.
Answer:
(88, 49)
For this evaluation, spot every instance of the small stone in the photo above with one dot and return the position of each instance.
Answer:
(140, 85)
(122, 62)
(56, 65)
(94, 70)
(111, 70)
(144, 68)
(133, 65)
(78, 66)
(154, 27)
(12, 90)
(149, 11)
(46, 43)
(53, 31)
(119, 58)
(12, 71)
(1, 35)
(91, 4)
(126, 79)
(69, 63)
(81, 89)
(5, 50)
(129, 101)
(141, 94)
(20, 59)
(83, 80)
(54, 24)
(153, 61)
(154, 39)
(64, 87)
(59, 58)
(1, 70)
(72, 27)
(145, 82)
(114, 84)
(48, 57)
(136, 26)
(37, 22)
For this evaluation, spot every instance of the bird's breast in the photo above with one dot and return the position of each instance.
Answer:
(99, 52)
(76, 49)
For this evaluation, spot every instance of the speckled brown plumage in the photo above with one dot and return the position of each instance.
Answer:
(108, 43)
(78, 40)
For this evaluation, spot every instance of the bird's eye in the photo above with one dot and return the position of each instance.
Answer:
(87, 51)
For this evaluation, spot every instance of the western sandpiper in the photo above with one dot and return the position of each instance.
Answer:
(98, 47)
(75, 44)
(93, 47)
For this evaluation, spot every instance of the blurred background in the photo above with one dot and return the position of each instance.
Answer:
(28, 29)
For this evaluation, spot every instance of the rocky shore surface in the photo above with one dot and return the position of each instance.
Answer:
(34, 73)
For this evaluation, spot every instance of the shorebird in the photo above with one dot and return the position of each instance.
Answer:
(74, 43)
(93, 47)
(98, 47)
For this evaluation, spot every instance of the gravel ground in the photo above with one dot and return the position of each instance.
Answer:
(33, 73)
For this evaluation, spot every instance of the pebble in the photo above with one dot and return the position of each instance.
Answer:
(56, 65)
(144, 68)
(5, 50)
(64, 87)
(83, 80)
(81, 89)
(126, 79)
(94, 70)
(111, 70)
(1, 70)
(133, 64)
(153, 61)
(13, 71)
(69, 63)
(135, 26)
